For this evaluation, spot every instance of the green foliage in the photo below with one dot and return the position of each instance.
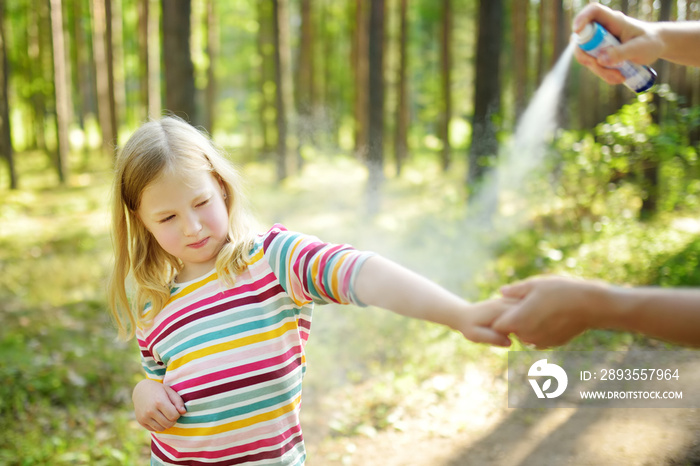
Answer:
(585, 215)
(64, 379)
(682, 269)
(594, 169)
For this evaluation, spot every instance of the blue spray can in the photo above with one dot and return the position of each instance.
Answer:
(594, 38)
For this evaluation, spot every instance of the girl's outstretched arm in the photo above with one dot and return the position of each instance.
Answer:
(157, 406)
(385, 284)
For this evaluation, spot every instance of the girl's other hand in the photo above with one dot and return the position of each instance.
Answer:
(157, 406)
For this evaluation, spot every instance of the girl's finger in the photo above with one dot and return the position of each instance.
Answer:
(175, 399)
(488, 335)
(160, 421)
(153, 426)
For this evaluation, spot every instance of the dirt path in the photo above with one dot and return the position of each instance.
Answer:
(470, 423)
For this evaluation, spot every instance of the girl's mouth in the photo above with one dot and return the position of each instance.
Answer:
(199, 244)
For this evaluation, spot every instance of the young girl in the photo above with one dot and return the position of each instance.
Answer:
(222, 316)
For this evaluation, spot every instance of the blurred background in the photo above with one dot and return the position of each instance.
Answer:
(371, 122)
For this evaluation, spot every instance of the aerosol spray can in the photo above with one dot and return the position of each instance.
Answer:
(594, 38)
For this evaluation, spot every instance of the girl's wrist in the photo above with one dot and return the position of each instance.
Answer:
(453, 315)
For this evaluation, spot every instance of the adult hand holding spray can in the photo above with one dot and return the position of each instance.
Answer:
(594, 38)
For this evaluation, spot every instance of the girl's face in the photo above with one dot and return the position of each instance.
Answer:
(188, 218)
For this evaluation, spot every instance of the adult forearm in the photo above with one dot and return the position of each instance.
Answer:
(681, 42)
(672, 315)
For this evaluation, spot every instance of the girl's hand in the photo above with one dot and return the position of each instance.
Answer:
(478, 318)
(157, 406)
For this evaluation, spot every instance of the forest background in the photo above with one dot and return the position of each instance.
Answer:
(373, 122)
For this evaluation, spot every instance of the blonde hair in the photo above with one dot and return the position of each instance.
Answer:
(169, 144)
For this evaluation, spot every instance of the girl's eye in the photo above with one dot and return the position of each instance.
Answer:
(203, 203)
(166, 219)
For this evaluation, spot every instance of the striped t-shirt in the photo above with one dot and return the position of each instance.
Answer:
(236, 355)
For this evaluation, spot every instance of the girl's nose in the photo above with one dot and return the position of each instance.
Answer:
(192, 225)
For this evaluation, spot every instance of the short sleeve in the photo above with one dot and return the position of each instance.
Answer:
(154, 369)
(310, 270)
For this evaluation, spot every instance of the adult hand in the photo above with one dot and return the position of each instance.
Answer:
(551, 311)
(640, 41)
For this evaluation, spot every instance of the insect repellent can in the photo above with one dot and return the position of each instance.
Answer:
(594, 38)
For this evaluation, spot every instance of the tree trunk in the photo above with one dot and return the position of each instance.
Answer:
(375, 153)
(325, 45)
(520, 53)
(212, 51)
(360, 62)
(677, 73)
(38, 20)
(305, 73)
(78, 52)
(401, 135)
(694, 74)
(650, 187)
(105, 97)
(179, 69)
(620, 93)
(116, 54)
(285, 41)
(304, 87)
(560, 31)
(587, 99)
(144, 22)
(446, 65)
(61, 90)
(155, 103)
(560, 39)
(487, 89)
(541, 41)
(650, 163)
(278, 9)
(266, 71)
(6, 149)
(328, 94)
(109, 37)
